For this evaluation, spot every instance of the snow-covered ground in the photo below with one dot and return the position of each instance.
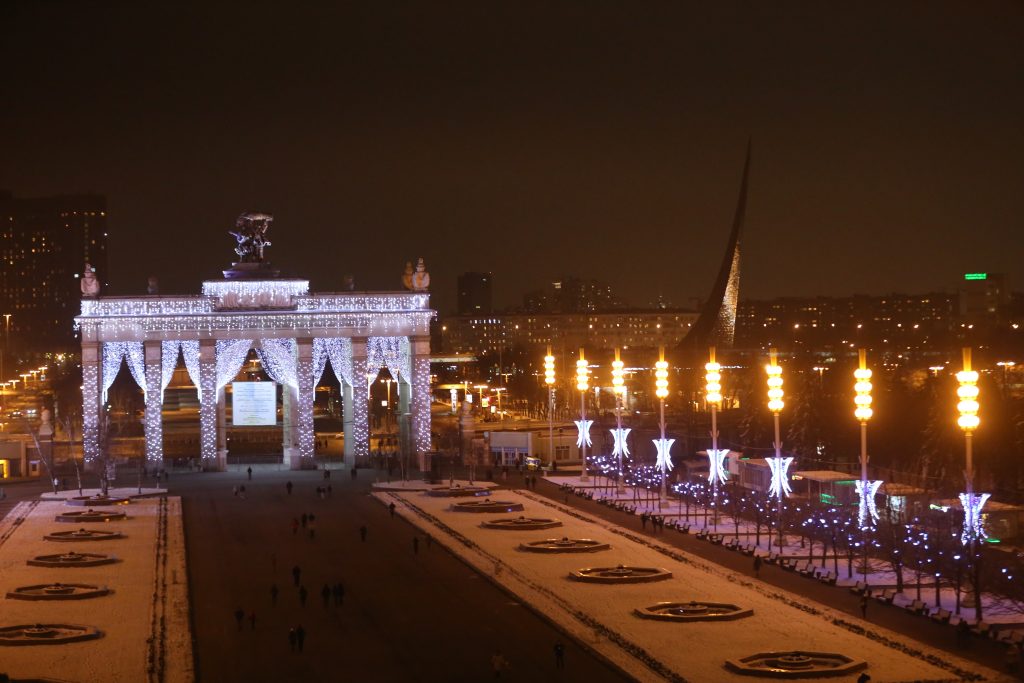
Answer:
(120, 492)
(880, 574)
(420, 485)
(145, 619)
(602, 615)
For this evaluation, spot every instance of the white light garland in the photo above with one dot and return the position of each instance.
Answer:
(190, 354)
(583, 435)
(168, 362)
(113, 354)
(360, 414)
(231, 355)
(90, 411)
(716, 466)
(208, 409)
(385, 352)
(974, 529)
(867, 511)
(382, 303)
(620, 447)
(278, 357)
(780, 477)
(664, 461)
(421, 402)
(153, 420)
(255, 293)
(305, 388)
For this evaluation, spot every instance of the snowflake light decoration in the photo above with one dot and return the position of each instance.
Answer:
(664, 463)
(867, 512)
(716, 465)
(584, 433)
(973, 530)
(621, 447)
(780, 477)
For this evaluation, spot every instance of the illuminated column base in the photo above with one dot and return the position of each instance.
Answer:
(421, 400)
(208, 403)
(222, 430)
(153, 421)
(90, 402)
(348, 423)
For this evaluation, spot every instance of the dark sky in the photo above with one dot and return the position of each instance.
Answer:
(532, 139)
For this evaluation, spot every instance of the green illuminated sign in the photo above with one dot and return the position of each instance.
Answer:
(975, 276)
(828, 499)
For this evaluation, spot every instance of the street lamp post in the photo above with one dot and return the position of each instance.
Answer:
(583, 424)
(663, 445)
(549, 379)
(619, 388)
(713, 396)
(866, 490)
(972, 503)
(779, 465)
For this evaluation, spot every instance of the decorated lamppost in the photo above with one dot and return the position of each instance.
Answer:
(973, 530)
(716, 457)
(779, 466)
(549, 379)
(663, 445)
(583, 424)
(621, 449)
(867, 513)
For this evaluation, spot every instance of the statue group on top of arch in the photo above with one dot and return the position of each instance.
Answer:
(251, 233)
(418, 280)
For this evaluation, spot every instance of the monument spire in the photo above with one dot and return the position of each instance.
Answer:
(716, 325)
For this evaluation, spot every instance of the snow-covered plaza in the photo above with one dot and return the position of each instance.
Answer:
(143, 620)
(602, 616)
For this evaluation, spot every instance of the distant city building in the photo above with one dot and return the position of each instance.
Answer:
(44, 245)
(984, 297)
(901, 320)
(571, 295)
(608, 330)
(475, 297)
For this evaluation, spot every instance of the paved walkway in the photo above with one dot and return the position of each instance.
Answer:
(405, 617)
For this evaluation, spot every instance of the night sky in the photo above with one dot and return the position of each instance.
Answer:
(591, 138)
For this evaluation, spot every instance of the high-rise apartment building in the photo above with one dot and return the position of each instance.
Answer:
(45, 243)
(475, 294)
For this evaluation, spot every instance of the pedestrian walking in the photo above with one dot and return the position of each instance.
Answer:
(329, 491)
(296, 574)
(325, 593)
(248, 471)
(234, 491)
(864, 606)
(312, 529)
(288, 486)
(643, 520)
(415, 545)
(241, 491)
(327, 473)
(295, 525)
(498, 663)
(559, 655)
(757, 566)
(273, 594)
(300, 636)
(304, 518)
(362, 533)
(1012, 658)
(291, 639)
(303, 594)
(252, 620)
(391, 509)
(863, 678)
(239, 615)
